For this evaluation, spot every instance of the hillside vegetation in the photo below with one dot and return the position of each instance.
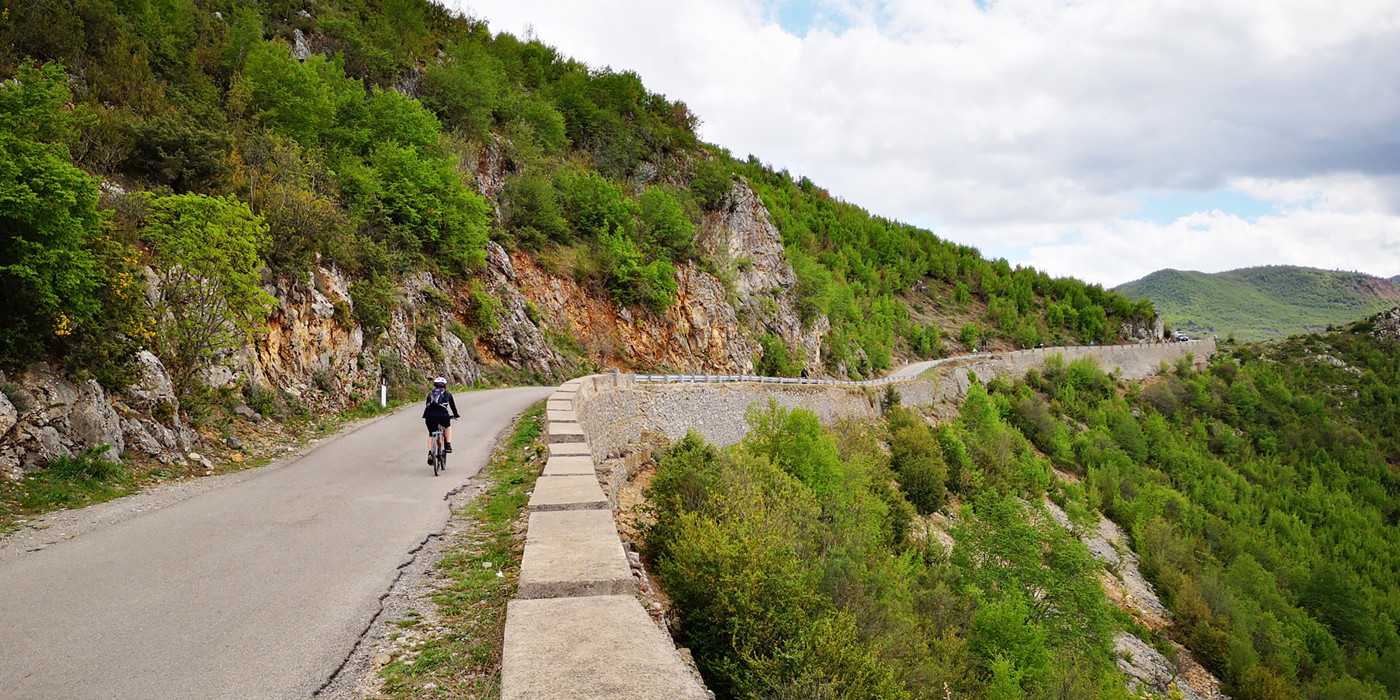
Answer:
(1259, 303)
(231, 135)
(797, 571)
(1262, 496)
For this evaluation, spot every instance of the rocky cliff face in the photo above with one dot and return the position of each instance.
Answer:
(743, 239)
(312, 349)
(701, 332)
(1141, 332)
(45, 416)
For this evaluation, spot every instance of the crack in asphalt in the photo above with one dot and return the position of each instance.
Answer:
(341, 687)
(360, 638)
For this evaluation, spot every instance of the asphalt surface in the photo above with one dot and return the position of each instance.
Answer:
(259, 589)
(913, 370)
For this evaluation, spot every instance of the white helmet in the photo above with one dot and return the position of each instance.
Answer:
(440, 381)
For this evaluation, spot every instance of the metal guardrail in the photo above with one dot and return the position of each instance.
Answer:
(898, 375)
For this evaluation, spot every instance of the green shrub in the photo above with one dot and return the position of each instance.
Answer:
(657, 284)
(969, 335)
(665, 225)
(466, 88)
(918, 462)
(16, 397)
(427, 335)
(374, 305)
(483, 309)
(711, 183)
(532, 211)
(889, 399)
(74, 482)
(594, 206)
(425, 198)
(628, 279)
(776, 360)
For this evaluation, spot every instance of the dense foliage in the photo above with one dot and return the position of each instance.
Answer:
(1263, 497)
(861, 271)
(797, 572)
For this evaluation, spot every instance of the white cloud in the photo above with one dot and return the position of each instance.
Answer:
(1038, 123)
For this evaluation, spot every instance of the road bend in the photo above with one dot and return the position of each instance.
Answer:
(259, 589)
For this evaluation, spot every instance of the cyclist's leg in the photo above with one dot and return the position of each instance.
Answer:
(431, 425)
(447, 433)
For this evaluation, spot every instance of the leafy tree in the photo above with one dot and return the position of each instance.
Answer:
(207, 252)
(532, 211)
(288, 187)
(665, 225)
(298, 99)
(593, 205)
(48, 212)
(968, 336)
(174, 150)
(918, 461)
(793, 441)
(467, 88)
(425, 199)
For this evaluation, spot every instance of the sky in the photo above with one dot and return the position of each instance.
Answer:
(1100, 139)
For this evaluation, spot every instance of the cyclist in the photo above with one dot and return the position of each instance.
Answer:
(436, 414)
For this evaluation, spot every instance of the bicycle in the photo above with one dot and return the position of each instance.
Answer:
(437, 456)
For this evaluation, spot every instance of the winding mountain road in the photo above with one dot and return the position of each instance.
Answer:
(257, 589)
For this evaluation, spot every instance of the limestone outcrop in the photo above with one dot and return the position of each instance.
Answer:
(1387, 325)
(700, 333)
(742, 238)
(517, 340)
(1144, 332)
(45, 415)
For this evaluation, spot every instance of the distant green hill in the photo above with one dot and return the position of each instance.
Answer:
(1258, 303)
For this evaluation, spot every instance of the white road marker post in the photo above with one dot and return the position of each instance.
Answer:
(383, 392)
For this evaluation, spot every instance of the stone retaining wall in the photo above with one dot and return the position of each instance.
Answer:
(614, 410)
(576, 629)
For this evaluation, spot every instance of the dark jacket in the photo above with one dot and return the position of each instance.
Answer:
(438, 403)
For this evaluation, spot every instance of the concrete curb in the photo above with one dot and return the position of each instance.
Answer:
(573, 553)
(590, 647)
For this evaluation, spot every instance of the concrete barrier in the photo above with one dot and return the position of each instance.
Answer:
(575, 629)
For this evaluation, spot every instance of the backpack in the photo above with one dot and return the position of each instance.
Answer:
(437, 397)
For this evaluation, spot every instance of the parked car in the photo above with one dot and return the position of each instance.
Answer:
(1180, 337)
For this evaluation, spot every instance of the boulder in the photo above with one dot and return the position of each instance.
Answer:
(300, 49)
(95, 423)
(151, 438)
(1387, 325)
(153, 386)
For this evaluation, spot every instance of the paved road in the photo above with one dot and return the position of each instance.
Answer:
(255, 590)
(914, 369)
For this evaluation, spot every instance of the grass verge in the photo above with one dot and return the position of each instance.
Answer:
(68, 482)
(461, 658)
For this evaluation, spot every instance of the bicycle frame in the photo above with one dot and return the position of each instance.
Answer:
(439, 451)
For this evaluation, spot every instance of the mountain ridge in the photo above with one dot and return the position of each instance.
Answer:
(1257, 303)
